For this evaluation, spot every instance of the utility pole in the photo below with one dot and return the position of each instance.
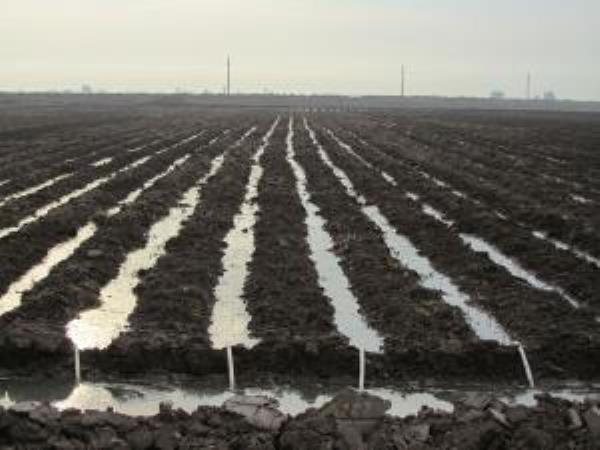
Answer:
(403, 80)
(528, 91)
(228, 76)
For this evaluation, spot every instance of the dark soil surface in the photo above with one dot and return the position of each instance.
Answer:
(524, 168)
(37, 326)
(350, 421)
(552, 331)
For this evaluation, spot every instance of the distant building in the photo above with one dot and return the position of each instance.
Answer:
(549, 95)
(497, 94)
(86, 89)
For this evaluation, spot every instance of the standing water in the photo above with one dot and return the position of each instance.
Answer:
(332, 279)
(479, 245)
(34, 189)
(230, 319)
(12, 299)
(401, 248)
(97, 328)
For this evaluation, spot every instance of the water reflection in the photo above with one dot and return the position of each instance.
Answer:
(144, 400)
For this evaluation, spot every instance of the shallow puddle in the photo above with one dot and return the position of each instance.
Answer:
(144, 399)
(3, 182)
(479, 245)
(230, 319)
(32, 190)
(332, 279)
(402, 249)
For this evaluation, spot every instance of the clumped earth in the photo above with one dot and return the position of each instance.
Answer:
(351, 421)
(498, 177)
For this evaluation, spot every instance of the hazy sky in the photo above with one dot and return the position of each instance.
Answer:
(460, 47)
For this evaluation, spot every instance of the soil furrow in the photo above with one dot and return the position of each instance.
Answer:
(532, 316)
(37, 326)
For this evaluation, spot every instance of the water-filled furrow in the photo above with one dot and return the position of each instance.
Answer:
(98, 327)
(41, 156)
(564, 246)
(3, 182)
(483, 324)
(512, 266)
(230, 318)
(282, 291)
(102, 162)
(46, 209)
(34, 189)
(580, 199)
(134, 195)
(12, 298)
(47, 165)
(480, 245)
(332, 279)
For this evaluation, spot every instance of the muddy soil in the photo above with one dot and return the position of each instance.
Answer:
(535, 198)
(186, 297)
(422, 333)
(350, 421)
(282, 291)
(560, 340)
(37, 326)
(21, 250)
(83, 173)
(555, 266)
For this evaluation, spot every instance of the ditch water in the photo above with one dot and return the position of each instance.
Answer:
(12, 298)
(143, 399)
